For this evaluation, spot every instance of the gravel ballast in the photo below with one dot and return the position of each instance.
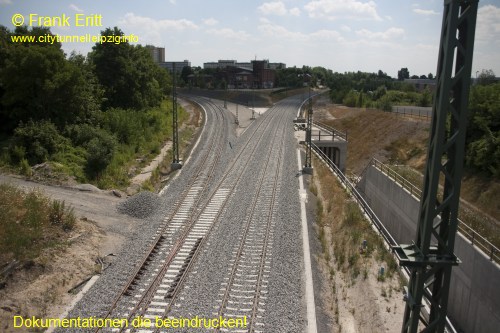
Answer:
(284, 303)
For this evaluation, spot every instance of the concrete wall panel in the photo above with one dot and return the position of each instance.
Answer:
(474, 299)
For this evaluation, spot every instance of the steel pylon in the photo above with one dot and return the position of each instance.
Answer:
(176, 162)
(308, 165)
(432, 257)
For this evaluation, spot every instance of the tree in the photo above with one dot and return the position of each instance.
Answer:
(37, 82)
(486, 77)
(430, 76)
(403, 73)
(351, 99)
(130, 77)
(483, 132)
(38, 140)
(186, 71)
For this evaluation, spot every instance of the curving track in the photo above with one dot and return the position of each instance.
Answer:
(229, 244)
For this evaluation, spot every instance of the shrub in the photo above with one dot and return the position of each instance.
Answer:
(61, 215)
(100, 152)
(25, 168)
(38, 139)
(385, 104)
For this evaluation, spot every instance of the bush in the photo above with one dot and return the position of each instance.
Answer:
(351, 99)
(62, 216)
(25, 168)
(100, 152)
(385, 104)
(39, 140)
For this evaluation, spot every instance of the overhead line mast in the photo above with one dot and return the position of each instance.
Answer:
(432, 257)
(176, 162)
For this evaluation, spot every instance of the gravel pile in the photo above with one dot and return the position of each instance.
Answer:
(141, 205)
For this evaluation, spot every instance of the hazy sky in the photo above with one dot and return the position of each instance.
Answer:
(343, 35)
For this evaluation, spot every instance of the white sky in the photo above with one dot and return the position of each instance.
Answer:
(342, 35)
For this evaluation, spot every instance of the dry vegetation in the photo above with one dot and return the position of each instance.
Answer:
(398, 140)
(401, 142)
(30, 222)
(38, 238)
(361, 299)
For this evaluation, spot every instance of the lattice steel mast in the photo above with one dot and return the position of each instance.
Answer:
(431, 258)
(308, 165)
(176, 162)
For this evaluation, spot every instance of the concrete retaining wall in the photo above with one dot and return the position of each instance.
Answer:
(474, 301)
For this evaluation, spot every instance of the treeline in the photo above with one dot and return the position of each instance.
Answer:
(375, 90)
(90, 114)
(483, 132)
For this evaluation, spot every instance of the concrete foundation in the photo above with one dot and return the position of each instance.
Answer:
(175, 166)
(308, 170)
(474, 299)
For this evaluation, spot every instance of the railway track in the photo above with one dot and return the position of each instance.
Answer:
(243, 293)
(154, 287)
(145, 279)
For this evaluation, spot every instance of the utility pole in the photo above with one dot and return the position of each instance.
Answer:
(176, 162)
(308, 165)
(237, 122)
(431, 257)
(225, 94)
(253, 104)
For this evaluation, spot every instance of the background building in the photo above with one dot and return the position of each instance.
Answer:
(179, 65)
(157, 53)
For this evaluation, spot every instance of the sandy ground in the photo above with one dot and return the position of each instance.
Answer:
(40, 287)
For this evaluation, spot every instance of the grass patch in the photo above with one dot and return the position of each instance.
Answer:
(30, 222)
(347, 228)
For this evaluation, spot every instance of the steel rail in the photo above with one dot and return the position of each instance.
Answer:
(236, 182)
(161, 237)
(244, 238)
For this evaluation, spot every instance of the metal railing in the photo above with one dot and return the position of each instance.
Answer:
(333, 132)
(391, 173)
(357, 196)
(468, 232)
(412, 111)
(369, 212)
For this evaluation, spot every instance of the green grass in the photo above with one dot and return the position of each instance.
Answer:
(30, 222)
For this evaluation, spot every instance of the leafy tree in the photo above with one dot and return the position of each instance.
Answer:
(186, 71)
(39, 83)
(128, 74)
(100, 150)
(403, 73)
(486, 77)
(483, 132)
(39, 140)
(351, 99)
